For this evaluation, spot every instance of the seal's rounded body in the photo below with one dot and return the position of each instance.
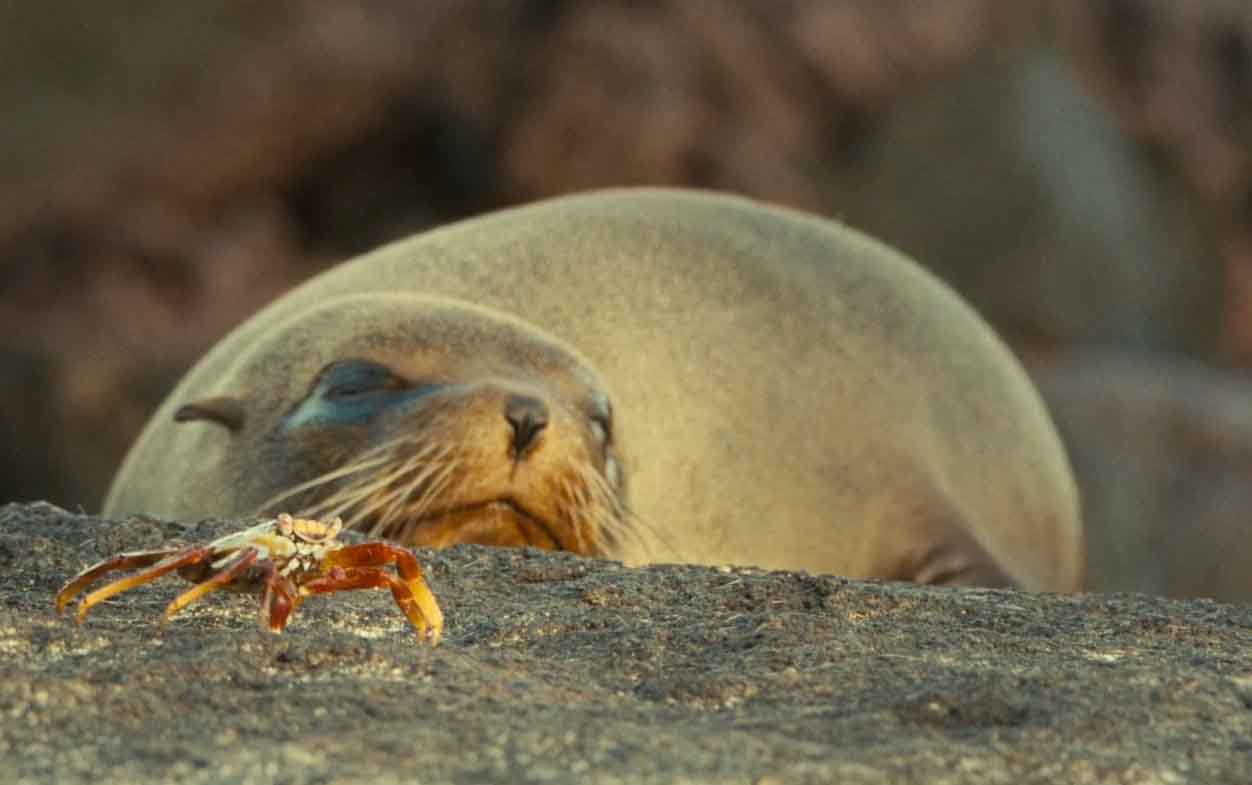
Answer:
(787, 392)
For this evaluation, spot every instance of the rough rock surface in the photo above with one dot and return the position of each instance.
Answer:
(561, 669)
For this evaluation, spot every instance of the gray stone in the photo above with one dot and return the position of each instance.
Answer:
(1162, 447)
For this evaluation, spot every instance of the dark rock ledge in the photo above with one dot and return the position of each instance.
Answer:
(559, 669)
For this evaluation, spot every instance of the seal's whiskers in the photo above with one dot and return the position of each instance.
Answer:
(353, 492)
(412, 498)
(369, 460)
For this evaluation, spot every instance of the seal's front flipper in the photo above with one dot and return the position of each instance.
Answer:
(961, 561)
(927, 539)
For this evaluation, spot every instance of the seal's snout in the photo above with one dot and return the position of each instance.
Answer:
(528, 416)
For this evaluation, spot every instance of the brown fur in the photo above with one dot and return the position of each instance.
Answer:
(787, 393)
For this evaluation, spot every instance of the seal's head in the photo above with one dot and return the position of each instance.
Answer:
(426, 420)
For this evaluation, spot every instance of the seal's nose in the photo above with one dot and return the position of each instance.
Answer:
(528, 416)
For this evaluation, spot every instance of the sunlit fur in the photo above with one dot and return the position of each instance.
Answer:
(787, 393)
(391, 489)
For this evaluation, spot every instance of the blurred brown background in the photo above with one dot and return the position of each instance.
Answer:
(1081, 170)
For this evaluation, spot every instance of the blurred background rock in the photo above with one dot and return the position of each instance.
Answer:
(1080, 170)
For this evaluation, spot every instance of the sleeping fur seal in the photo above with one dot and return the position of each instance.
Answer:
(644, 374)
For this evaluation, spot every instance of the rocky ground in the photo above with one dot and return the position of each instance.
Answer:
(561, 669)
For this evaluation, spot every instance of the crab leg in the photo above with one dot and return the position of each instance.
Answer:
(280, 600)
(183, 558)
(245, 559)
(164, 560)
(122, 561)
(345, 578)
(356, 567)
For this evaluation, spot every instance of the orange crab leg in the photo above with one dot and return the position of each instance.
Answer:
(356, 567)
(246, 558)
(280, 601)
(345, 578)
(122, 561)
(182, 558)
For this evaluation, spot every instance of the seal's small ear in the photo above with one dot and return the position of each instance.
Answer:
(224, 411)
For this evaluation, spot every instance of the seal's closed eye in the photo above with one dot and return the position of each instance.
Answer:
(601, 418)
(348, 378)
(354, 391)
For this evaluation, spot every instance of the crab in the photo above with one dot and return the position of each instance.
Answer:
(285, 558)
